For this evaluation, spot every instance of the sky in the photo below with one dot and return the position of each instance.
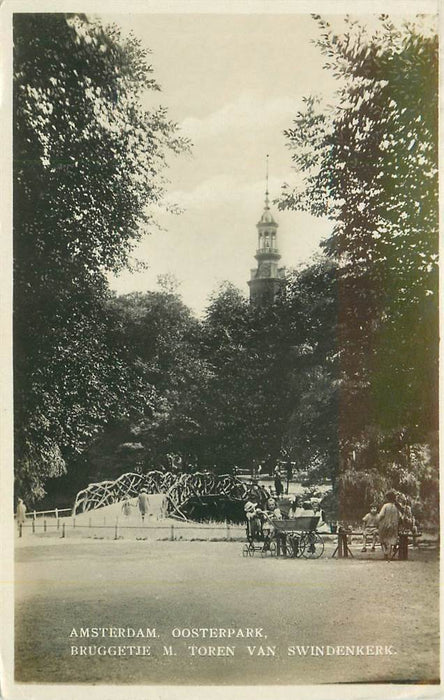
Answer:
(233, 83)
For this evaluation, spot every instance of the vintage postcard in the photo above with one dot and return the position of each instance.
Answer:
(220, 359)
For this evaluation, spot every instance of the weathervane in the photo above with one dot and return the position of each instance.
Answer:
(267, 204)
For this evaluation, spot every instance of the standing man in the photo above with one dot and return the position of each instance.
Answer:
(144, 503)
(21, 512)
(278, 486)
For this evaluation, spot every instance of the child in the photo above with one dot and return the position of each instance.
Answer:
(295, 510)
(253, 519)
(126, 507)
(272, 512)
(370, 527)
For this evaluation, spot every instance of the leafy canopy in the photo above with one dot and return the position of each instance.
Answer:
(369, 162)
(90, 151)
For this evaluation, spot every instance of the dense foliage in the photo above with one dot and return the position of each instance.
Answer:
(88, 161)
(370, 163)
(246, 385)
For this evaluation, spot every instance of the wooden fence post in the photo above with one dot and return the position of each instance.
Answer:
(340, 550)
(172, 533)
(63, 529)
(403, 553)
(20, 529)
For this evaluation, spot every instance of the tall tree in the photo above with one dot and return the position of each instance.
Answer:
(88, 164)
(369, 162)
(308, 311)
(266, 362)
(165, 340)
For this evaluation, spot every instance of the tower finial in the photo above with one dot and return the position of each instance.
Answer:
(267, 203)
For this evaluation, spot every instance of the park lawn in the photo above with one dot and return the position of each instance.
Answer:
(168, 585)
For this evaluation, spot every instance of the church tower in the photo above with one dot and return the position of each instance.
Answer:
(267, 279)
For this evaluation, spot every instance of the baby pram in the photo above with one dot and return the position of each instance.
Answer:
(297, 537)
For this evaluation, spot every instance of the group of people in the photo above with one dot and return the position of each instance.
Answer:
(143, 504)
(259, 519)
(395, 517)
(300, 508)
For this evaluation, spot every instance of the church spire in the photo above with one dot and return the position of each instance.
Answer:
(268, 277)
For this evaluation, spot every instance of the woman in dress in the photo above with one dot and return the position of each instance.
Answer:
(388, 524)
(21, 512)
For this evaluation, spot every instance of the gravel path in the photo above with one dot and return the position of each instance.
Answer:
(308, 611)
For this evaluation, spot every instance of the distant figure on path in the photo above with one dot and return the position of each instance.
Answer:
(289, 474)
(126, 507)
(144, 503)
(21, 512)
(388, 523)
(278, 486)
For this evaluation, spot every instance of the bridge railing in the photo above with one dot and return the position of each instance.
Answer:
(177, 487)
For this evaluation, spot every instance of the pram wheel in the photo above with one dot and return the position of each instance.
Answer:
(313, 545)
(265, 548)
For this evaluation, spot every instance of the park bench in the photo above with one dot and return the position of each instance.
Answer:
(343, 550)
